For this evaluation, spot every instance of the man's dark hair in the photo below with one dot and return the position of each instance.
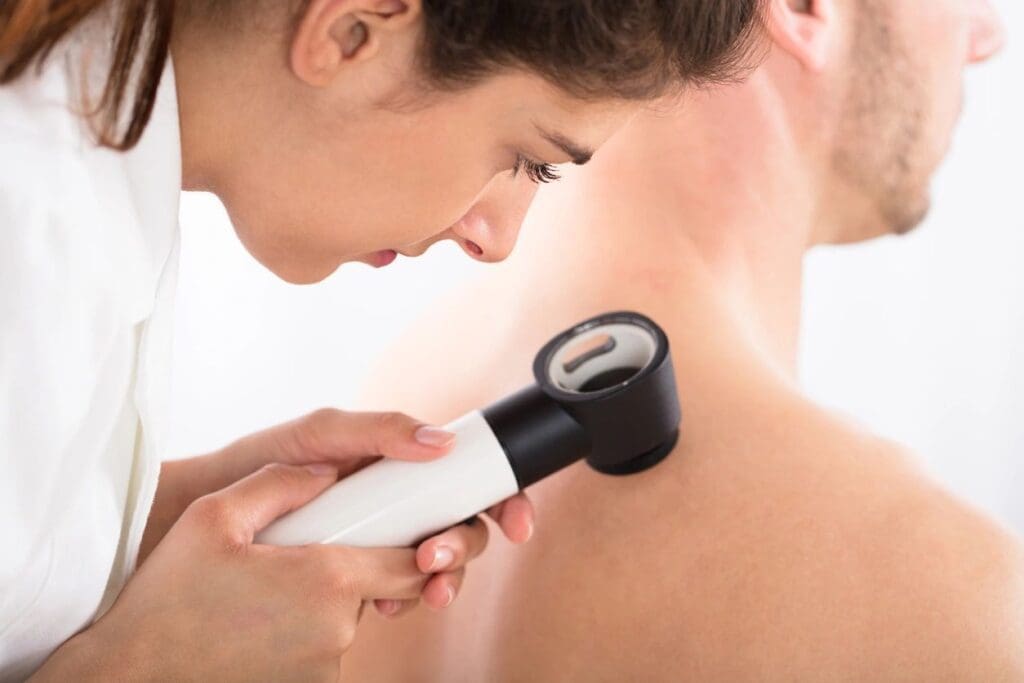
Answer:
(626, 49)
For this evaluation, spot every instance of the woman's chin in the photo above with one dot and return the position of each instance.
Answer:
(308, 272)
(303, 272)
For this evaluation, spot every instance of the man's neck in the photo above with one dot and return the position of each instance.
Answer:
(728, 231)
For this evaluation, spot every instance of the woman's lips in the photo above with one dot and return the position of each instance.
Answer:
(386, 257)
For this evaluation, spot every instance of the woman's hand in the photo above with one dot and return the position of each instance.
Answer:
(348, 441)
(209, 604)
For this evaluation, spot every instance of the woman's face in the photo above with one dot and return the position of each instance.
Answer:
(344, 155)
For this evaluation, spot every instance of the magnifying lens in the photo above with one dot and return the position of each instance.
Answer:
(605, 391)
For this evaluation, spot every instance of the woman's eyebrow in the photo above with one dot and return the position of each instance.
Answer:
(578, 153)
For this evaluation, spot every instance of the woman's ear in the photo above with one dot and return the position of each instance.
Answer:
(333, 34)
(803, 29)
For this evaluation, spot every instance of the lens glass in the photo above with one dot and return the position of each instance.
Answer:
(602, 357)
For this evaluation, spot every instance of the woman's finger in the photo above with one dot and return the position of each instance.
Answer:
(392, 609)
(453, 548)
(369, 573)
(441, 590)
(236, 513)
(515, 517)
(343, 437)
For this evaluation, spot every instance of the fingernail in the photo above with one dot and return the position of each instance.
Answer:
(450, 597)
(321, 469)
(388, 607)
(434, 436)
(443, 556)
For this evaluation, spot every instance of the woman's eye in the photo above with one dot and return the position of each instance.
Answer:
(537, 173)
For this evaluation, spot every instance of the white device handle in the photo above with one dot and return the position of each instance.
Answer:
(396, 504)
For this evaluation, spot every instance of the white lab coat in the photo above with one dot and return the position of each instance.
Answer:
(88, 257)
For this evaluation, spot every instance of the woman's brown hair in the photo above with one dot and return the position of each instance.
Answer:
(630, 49)
(30, 29)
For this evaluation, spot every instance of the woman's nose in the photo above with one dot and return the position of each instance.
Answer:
(488, 232)
(988, 34)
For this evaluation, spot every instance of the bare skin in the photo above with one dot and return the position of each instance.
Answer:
(778, 541)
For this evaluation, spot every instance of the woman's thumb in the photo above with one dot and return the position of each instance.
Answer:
(248, 505)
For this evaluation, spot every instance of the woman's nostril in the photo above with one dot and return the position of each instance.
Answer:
(474, 248)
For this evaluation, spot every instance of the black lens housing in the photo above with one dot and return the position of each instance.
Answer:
(623, 419)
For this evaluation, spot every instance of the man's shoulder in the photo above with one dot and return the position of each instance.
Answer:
(916, 581)
(958, 583)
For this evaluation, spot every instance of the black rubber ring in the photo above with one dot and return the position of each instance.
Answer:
(640, 463)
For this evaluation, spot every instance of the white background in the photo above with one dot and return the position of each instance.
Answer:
(921, 338)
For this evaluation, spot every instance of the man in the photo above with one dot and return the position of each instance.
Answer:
(778, 542)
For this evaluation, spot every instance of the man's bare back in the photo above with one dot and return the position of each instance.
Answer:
(776, 543)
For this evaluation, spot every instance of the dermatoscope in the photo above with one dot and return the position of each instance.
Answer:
(604, 390)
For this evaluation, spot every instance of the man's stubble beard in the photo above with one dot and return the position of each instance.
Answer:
(880, 148)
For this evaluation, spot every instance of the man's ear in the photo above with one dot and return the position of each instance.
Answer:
(803, 29)
(333, 34)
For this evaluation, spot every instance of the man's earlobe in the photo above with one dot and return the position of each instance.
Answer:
(803, 29)
(334, 33)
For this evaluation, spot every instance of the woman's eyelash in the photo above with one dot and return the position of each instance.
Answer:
(537, 173)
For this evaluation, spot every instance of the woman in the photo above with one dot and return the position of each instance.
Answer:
(334, 131)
